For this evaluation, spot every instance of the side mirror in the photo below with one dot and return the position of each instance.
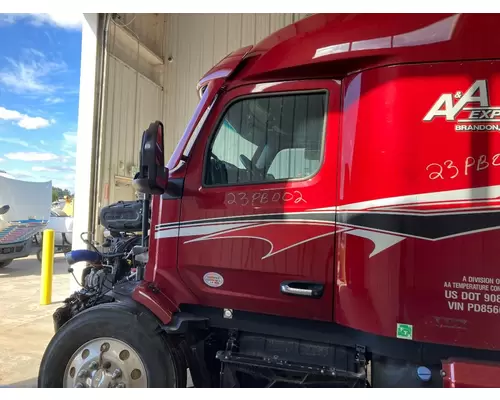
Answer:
(152, 175)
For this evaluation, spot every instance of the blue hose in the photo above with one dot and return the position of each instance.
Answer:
(76, 256)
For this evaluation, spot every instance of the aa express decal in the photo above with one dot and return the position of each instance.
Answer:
(464, 111)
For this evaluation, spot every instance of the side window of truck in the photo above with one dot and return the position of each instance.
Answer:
(268, 139)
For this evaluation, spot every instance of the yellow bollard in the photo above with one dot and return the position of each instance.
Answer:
(47, 267)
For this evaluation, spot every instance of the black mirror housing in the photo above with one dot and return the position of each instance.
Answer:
(152, 175)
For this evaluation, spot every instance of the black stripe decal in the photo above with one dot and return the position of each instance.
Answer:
(430, 227)
(319, 217)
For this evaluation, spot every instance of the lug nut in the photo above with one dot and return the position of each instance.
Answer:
(79, 385)
(83, 373)
(116, 374)
(120, 385)
(94, 365)
(105, 347)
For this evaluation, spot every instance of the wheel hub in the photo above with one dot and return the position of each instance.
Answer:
(105, 363)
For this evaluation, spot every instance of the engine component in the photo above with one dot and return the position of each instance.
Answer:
(123, 216)
(103, 271)
(76, 256)
(96, 279)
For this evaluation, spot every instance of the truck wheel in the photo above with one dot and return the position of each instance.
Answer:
(109, 345)
(5, 263)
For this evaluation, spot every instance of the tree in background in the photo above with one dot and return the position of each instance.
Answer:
(58, 193)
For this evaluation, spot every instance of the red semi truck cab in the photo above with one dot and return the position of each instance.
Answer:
(338, 185)
(344, 170)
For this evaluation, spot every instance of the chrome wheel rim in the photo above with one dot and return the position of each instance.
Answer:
(105, 362)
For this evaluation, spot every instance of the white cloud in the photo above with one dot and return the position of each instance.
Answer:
(67, 159)
(72, 154)
(20, 174)
(54, 100)
(20, 142)
(31, 156)
(60, 20)
(14, 141)
(23, 120)
(7, 18)
(44, 169)
(70, 137)
(31, 73)
(2, 160)
(52, 168)
(69, 145)
(33, 123)
(9, 114)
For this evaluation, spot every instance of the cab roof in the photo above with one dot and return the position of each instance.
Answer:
(335, 45)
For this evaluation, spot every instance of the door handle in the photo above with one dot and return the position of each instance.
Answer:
(302, 288)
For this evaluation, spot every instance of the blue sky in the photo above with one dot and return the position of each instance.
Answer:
(39, 83)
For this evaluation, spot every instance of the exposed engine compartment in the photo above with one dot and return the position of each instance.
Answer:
(114, 263)
(123, 216)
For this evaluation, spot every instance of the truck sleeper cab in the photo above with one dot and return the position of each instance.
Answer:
(331, 205)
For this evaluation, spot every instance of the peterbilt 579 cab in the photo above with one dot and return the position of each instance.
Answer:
(330, 217)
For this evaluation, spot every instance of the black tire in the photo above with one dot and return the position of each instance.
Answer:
(4, 263)
(139, 329)
(39, 255)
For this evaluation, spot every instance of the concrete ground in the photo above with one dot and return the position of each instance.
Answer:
(26, 326)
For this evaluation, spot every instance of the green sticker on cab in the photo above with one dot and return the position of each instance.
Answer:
(404, 331)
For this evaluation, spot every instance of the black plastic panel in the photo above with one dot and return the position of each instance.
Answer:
(175, 188)
(124, 216)
(299, 351)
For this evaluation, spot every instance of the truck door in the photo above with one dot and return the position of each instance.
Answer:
(249, 237)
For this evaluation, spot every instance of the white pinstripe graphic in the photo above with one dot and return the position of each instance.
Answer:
(486, 200)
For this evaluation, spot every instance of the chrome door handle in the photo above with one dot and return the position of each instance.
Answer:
(296, 291)
(301, 288)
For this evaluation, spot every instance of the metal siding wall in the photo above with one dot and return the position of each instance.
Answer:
(147, 27)
(196, 42)
(133, 102)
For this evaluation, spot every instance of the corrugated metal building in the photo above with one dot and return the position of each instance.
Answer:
(150, 65)
(155, 63)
